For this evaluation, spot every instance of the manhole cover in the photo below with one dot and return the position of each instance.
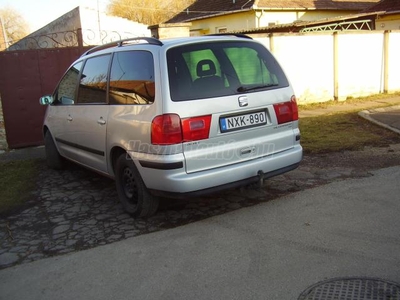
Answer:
(352, 289)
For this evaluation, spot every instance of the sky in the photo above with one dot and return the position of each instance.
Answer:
(38, 13)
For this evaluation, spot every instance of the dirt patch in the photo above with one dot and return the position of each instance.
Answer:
(370, 158)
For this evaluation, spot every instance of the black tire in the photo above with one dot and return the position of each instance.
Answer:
(53, 158)
(132, 192)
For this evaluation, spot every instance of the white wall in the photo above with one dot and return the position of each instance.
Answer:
(308, 60)
(394, 61)
(111, 28)
(360, 64)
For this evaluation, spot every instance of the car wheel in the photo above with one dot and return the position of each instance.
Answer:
(53, 158)
(132, 192)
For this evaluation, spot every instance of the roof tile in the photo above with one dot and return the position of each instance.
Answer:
(206, 8)
(385, 5)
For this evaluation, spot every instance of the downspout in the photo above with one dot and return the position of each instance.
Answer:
(259, 18)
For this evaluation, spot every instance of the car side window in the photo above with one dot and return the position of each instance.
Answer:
(93, 82)
(66, 91)
(132, 78)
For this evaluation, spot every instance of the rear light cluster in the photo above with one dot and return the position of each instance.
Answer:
(170, 129)
(287, 111)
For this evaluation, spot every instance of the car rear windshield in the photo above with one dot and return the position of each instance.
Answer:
(217, 69)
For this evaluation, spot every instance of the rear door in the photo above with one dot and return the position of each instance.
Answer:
(235, 85)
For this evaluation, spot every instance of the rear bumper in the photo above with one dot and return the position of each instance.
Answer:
(178, 183)
(226, 186)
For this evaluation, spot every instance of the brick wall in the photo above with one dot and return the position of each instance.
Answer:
(3, 139)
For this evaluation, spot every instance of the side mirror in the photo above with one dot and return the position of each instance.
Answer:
(46, 100)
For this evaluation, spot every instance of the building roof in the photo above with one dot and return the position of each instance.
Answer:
(387, 6)
(206, 8)
(209, 8)
(356, 5)
(300, 25)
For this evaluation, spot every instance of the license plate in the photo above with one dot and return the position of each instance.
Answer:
(242, 121)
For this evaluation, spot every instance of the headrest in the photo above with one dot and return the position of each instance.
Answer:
(206, 67)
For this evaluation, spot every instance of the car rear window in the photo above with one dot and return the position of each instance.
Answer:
(217, 69)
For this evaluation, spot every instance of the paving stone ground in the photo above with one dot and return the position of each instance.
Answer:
(77, 209)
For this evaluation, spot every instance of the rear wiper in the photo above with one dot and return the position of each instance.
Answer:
(245, 89)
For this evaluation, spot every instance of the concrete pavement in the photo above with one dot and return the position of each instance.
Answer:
(388, 117)
(273, 250)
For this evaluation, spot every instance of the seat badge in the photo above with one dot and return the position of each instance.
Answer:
(243, 101)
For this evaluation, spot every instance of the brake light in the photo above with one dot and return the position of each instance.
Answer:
(169, 129)
(166, 130)
(287, 111)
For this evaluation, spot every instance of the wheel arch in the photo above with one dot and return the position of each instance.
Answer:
(45, 129)
(115, 152)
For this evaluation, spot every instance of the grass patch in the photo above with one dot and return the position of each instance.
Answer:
(361, 100)
(342, 131)
(17, 179)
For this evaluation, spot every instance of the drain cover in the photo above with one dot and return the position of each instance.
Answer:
(352, 289)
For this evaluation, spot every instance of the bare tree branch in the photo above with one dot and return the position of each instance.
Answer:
(14, 24)
(148, 12)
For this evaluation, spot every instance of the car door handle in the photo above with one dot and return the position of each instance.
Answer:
(69, 118)
(101, 121)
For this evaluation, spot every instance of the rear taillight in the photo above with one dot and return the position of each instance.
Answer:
(169, 129)
(166, 130)
(287, 111)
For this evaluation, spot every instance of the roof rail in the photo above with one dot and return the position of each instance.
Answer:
(119, 43)
(240, 35)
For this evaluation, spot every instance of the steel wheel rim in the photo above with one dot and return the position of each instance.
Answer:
(129, 186)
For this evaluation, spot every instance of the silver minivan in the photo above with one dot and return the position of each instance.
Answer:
(174, 118)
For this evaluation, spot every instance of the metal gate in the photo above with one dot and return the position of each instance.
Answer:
(25, 76)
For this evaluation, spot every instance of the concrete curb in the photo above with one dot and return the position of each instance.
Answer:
(366, 114)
